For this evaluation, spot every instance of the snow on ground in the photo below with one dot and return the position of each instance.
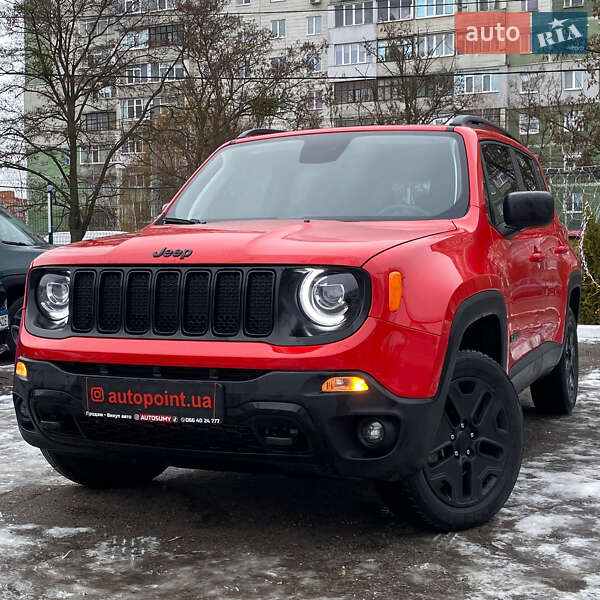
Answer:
(588, 333)
(542, 545)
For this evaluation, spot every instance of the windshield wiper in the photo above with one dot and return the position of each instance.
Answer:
(177, 221)
(10, 243)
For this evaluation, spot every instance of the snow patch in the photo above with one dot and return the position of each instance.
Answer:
(588, 333)
(65, 532)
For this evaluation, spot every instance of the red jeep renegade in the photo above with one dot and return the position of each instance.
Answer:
(363, 302)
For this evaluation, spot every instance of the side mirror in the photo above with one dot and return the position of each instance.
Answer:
(528, 209)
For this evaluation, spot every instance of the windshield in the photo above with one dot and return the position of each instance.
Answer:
(14, 231)
(374, 175)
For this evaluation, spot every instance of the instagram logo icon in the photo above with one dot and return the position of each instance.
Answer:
(97, 394)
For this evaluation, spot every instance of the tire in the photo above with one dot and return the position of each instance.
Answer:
(477, 452)
(556, 393)
(14, 320)
(97, 473)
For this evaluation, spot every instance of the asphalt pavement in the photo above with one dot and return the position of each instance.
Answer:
(197, 534)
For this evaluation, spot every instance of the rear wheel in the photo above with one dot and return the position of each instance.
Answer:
(556, 393)
(475, 460)
(101, 474)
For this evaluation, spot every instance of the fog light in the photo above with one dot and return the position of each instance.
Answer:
(21, 369)
(345, 384)
(372, 432)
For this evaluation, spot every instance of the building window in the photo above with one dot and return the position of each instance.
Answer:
(95, 26)
(434, 8)
(136, 74)
(573, 80)
(132, 108)
(277, 62)
(134, 40)
(161, 4)
(168, 71)
(163, 35)
(573, 121)
(350, 54)
(393, 10)
(478, 5)
(317, 63)
(477, 83)
(349, 92)
(528, 125)
(100, 121)
(436, 44)
(316, 100)
(242, 2)
(313, 25)
(105, 93)
(353, 14)
(529, 5)
(94, 155)
(133, 6)
(572, 3)
(278, 28)
(394, 50)
(133, 146)
(529, 83)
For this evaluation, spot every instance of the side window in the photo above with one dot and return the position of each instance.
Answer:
(501, 178)
(526, 166)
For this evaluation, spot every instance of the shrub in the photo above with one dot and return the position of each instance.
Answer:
(590, 293)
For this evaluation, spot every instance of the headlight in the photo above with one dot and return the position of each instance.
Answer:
(53, 296)
(325, 298)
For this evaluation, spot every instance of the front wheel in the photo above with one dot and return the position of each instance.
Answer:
(476, 456)
(102, 474)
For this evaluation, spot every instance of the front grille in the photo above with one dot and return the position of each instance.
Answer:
(186, 302)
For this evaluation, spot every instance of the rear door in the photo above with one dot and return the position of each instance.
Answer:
(517, 256)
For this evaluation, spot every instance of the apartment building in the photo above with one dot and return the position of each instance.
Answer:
(357, 68)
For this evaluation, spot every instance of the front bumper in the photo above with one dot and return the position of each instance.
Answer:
(49, 408)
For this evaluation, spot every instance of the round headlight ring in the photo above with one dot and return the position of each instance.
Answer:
(321, 300)
(53, 296)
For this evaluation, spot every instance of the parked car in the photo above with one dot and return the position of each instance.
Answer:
(3, 319)
(363, 302)
(19, 245)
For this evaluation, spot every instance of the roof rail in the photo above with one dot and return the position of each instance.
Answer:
(479, 123)
(252, 132)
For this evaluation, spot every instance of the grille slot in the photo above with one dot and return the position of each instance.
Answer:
(259, 303)
(166, 302)
(196, 305)
(228, 296)
(109, 302)
(137, 311)
(210, 302)
(83, 301)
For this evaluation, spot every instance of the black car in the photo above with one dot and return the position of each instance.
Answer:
(18, 247)
(3, 318)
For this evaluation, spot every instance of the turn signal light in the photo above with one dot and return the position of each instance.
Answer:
(345, 384)
(395, 290)
(21, 369)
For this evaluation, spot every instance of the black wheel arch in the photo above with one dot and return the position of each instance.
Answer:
(475, 309)
(574, 293)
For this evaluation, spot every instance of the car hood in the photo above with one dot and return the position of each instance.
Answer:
(249, 242)
(15, 260)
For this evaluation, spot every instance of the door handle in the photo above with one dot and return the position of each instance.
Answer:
(561, 249)
(536, 257)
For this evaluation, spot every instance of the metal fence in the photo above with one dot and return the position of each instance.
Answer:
(130, 209)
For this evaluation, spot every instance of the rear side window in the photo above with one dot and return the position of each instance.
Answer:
(501, 178)
(532, 179)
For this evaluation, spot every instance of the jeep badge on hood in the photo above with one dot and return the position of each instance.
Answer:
(168, 252)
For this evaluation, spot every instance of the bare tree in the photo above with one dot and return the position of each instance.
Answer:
(415, 83)
(236, 79)
(63, 62)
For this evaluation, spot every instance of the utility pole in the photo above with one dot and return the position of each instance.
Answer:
(50, 194)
